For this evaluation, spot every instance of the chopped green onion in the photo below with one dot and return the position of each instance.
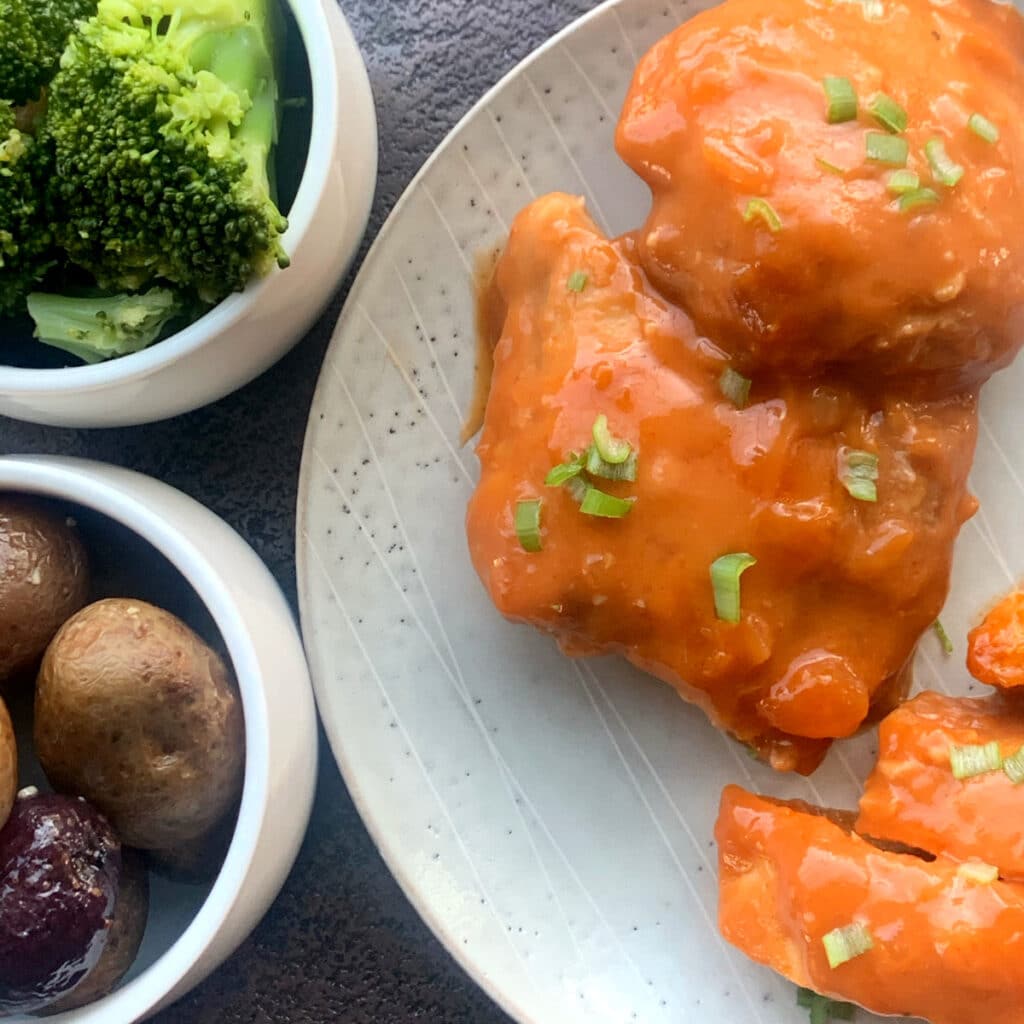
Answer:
(577, 488)
(940, 632)
(858, 473)
(842, 99)
(611, 449)
(976, 759)
(596, 466)
(735, 387)
(565, 471)
(887, 149)
(822, 1009)
(725, 583)
(888, 113)
(832, 168)
(528, 524)
(944, 170)
(761, 209)
(902, 182)
(1014, 767)
(978, 871)
(847, 943)
(983, 128)
(577, 281)
(918, 197)
(606, 506)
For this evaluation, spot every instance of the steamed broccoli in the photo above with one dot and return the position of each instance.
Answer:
(163, 116)
(98, 329)
(32, 38)
(26, 239)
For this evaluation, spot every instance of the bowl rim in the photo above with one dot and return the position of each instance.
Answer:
(316, 36)
(76, 480)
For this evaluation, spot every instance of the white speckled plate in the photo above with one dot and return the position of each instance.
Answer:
(551, 820)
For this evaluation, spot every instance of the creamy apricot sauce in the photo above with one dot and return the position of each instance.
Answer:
(912, 796)
(832, 572)
(730, 106)
(946, 946)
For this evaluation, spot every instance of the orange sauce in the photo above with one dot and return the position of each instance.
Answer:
(945, 947)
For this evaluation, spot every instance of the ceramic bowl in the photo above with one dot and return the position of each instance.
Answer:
(193, 927)
(245, 334)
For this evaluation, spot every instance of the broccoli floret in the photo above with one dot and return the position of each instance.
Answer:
(26, 238)
(99, 329)
(163, 117)
(32, 38)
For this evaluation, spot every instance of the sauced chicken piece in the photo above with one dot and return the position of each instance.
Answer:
(841, 588)
(995, 651)
(731, 107)
(945, 943)
(913, 796)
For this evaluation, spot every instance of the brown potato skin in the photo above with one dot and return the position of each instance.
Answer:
(134, 712)
(44, 580)
(127, 928)
(8, 765)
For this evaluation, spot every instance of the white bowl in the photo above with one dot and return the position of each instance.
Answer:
(244, 335)
(263, 645)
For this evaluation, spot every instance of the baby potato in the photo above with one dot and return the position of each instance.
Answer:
(137, 714)
(8, 765)
(44, 579)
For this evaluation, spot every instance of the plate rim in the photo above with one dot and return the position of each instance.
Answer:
(461, 954)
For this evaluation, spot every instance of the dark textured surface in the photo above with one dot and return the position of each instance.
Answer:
(341, 944)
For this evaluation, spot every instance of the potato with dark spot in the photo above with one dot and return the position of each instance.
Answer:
(60, 867)
(44, 579)
(8, 764)
(124, 937)
(137, 714)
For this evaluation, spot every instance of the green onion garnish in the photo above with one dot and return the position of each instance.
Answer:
(596, 466)
(611, 449)
(832, 168)
(528, 524)
(1014, 767)
(940, 632)
(577, 488)
(735, 387)
(888, 113)
(761, 209)
(976, 759)
(983, 128)
(902, 182)
(725, 583)
(842, 99)
(847, 943)
(858, 473)
(978, 871)
(577, 281)
(822, 1009)
(606, 506)
(887, 149)
(565, 471)
(944, 170)
(918, 197)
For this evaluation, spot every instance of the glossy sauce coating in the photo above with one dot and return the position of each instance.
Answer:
(841, 589)
(731, 106)
(946, 948)
(912, 797)
(995, 648)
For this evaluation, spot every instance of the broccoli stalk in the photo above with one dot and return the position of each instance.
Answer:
(163, 117)
(99, 329)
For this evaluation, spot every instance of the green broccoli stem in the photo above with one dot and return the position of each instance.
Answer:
(98, 329)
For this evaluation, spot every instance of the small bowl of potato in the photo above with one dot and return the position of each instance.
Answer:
(157, 742)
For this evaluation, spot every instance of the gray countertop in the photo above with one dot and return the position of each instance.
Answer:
(342, 943)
